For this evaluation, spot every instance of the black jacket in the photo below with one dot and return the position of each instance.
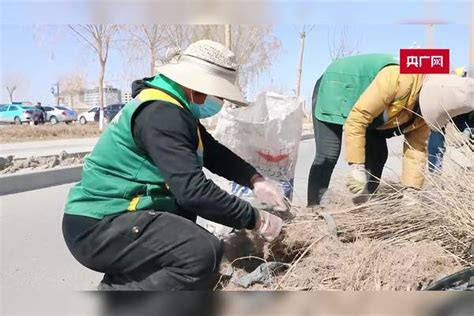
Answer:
(168, 134)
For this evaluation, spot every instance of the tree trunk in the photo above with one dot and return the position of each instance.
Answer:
(101, 95)
(10, 93)
(152, 61)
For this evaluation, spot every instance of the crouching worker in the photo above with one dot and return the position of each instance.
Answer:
(368, 98)
(132, 215)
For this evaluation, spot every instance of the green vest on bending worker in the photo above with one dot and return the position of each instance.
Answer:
(117, 176)
(343, 83)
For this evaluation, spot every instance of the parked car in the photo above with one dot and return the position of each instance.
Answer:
(88, 116)
(109, 112)
(18, 113)
(56, 114)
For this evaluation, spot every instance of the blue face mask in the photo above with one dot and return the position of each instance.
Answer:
(210, 107)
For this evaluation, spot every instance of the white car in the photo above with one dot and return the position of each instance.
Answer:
(56, 114)
(88, 116)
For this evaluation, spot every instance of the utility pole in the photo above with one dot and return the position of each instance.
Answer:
(57, 87)
(299, 68)
(228, 36)
(55, 92)
(472, 37)
(428, 22)
(429, 35)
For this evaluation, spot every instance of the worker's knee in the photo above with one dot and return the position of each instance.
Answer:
(208, 253)
(328, 161)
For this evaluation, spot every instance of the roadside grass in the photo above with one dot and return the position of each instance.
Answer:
(25, 132)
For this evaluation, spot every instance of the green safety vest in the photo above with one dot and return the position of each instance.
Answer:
(343, 82)
(118, 176)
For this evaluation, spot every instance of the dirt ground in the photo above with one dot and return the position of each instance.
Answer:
(25, 132)
(313, 259)
(403, 240)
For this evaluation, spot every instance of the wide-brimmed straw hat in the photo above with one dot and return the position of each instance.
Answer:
(443, 97)
(207, 67)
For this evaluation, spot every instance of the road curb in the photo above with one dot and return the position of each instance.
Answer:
(16, 183)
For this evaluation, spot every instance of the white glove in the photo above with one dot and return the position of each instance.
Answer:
(269, 191)
(268, 225)
(358, 178)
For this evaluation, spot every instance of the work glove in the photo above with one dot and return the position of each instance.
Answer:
(268, 225)
(468, 135)
(269, 192)
(358, 179)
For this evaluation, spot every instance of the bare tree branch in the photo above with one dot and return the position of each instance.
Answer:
(254, 46)
(77, 30)
(151, 38)
(340, 45)
(98, 38)
(13, 82)
(11, 90)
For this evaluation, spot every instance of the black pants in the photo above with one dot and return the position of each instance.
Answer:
(144, 250)
(328, 138)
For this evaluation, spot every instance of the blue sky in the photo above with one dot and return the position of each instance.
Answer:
(371, 38)
(44, 52)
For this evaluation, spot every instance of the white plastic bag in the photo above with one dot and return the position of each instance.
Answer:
(266, 134)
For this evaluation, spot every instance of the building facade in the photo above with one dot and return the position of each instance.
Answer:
(73, 101)
(111, 95)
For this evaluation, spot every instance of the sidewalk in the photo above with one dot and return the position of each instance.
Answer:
(47, 147)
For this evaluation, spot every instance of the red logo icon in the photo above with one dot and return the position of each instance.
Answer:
(424, 61)
(272, 158)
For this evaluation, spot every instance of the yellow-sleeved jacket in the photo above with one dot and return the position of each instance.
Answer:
(393, 96)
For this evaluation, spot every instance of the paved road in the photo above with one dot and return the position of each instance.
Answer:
(33, 253)
(47, 147)
(34, 256)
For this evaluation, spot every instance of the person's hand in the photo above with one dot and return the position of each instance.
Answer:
(269, 192)
(358, 178)
(268, 225)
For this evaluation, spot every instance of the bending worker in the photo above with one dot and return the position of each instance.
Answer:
(464, 123)
(132, 215)
(368, 98)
